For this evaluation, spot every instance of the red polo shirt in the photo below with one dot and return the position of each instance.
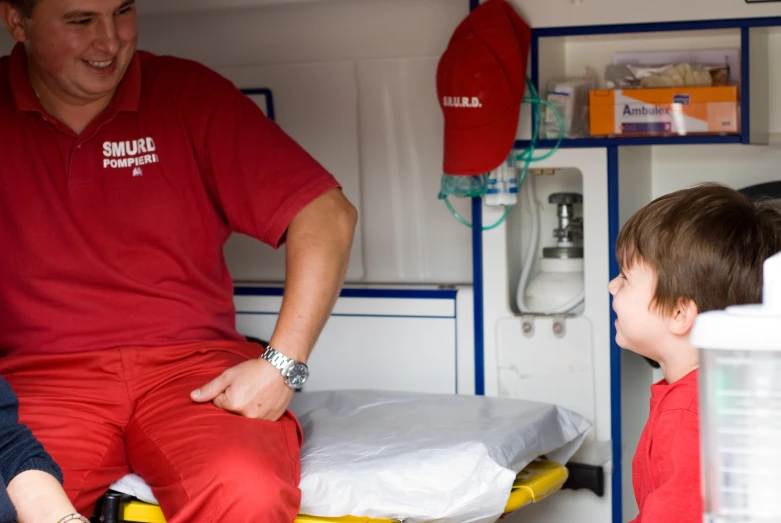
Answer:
(114, 237)
(666, 467)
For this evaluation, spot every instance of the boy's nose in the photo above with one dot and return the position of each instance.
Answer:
(612, 286)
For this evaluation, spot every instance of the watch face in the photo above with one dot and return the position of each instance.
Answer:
(297, 375)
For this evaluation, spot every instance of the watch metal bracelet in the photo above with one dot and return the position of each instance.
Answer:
(276, 358)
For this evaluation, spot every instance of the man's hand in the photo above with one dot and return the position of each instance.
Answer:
(255, 389)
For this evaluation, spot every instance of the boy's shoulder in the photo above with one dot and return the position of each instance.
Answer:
(682, 395)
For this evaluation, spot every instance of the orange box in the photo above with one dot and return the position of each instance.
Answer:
(673, 110)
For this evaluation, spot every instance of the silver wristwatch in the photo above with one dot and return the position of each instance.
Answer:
(294, 372)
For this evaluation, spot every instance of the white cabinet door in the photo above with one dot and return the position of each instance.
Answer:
(373, 343)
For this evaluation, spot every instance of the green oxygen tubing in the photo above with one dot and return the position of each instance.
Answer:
(475, 186)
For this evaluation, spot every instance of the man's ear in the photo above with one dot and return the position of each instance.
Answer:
(14, 21)
(683, 318)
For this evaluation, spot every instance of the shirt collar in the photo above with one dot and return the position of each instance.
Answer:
(126, 97)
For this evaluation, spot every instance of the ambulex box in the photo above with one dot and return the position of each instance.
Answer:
(674, 110)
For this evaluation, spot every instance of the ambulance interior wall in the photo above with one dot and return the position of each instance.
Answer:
(353, 81)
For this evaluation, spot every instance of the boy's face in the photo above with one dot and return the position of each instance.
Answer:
(639, 327)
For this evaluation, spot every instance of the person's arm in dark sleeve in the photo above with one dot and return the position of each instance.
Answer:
(7, 511)
(19, 450)
(32, 480)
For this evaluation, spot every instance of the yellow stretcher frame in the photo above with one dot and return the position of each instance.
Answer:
(538, 480)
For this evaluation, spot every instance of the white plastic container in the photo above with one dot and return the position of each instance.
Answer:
(740, 407)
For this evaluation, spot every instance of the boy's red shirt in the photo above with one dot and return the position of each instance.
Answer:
(666, 467)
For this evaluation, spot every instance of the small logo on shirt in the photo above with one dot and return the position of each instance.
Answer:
(130, 153)
(461, 101)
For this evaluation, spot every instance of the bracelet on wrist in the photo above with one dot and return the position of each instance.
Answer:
(73, 517)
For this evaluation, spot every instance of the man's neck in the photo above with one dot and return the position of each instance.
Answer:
(76, 116)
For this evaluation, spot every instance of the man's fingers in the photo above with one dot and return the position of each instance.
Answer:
(223, 402)
(211, 390)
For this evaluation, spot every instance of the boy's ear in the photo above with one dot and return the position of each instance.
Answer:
(683, 318)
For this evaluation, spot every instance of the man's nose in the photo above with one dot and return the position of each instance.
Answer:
(107, 40)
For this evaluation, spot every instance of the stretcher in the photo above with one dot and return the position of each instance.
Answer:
(388, 457)
(538, 480)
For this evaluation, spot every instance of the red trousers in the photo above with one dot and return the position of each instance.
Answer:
(104, 414)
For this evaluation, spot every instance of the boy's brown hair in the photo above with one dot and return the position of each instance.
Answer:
(705, 244)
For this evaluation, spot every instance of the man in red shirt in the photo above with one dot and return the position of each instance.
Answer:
(687, 252)
(122, 175)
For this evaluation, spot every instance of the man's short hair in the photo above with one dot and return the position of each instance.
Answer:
(705, 244)
(24, 6)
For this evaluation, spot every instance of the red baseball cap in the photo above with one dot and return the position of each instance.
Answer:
(481, 79)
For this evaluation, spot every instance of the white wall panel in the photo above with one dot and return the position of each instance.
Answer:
(409, 235)
(316, 105)
(738, 166)
(306, 31)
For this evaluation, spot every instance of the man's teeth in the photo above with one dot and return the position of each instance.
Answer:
(100, 65)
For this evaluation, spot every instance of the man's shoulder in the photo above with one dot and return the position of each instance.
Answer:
(170, 83)
(173, 69)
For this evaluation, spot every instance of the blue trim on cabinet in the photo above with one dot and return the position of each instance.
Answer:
(615, 350)
(599, 143)
(418, 294)
(653, 27)
(477, 283)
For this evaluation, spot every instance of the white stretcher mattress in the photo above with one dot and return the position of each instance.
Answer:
(417, 457)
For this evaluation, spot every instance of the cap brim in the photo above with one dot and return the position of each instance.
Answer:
(479, 150)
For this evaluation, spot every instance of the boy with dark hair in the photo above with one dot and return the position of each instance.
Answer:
(687, 252)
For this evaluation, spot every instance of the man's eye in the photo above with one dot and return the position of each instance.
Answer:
(83, 21)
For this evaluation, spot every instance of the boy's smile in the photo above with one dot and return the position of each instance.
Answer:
(639, 327)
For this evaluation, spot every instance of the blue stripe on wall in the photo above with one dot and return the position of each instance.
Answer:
(615, 350)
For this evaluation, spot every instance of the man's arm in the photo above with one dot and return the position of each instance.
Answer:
(318, 243)
(318, 246)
